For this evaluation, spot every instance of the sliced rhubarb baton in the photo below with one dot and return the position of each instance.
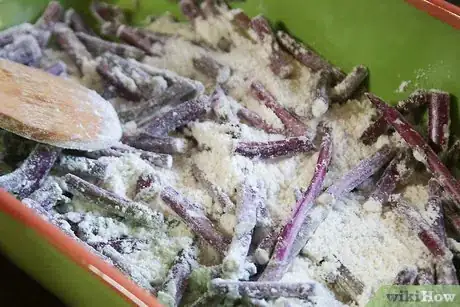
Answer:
(282, 256)
(422, 151)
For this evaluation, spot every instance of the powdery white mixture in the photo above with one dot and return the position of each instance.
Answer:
(373, 247)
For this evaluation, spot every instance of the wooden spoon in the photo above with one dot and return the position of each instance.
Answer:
(57, 111)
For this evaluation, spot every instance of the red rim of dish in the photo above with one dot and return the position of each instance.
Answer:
(79, 254)
(109, 275)
(440, 9)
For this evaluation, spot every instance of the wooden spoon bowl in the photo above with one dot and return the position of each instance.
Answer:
(57, 111)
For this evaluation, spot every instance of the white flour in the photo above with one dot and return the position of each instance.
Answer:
(373, 247)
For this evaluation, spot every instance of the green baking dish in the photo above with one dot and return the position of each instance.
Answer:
(397, 41)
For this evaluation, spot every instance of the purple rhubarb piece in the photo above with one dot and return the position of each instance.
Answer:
(246, 219)
(82, 166)
(28, 177)
(70, 43)
(397, 171)
(216, 192)
(306, 56)
(374, 131)
(153, 158)
(264, 249)
(166, 145)
(421, 149)
(98, 46)
(117, 205)
(177, 117)
(282, 255)
(360, 172)
(209, 66)
(24, 50)
(343, 90)
(51, 15)
(280, 64)
(294, 127)
(274, 149)
(8, 36)
(194, 217)
(424, 231)
(57, 69)
(438, 120)
(406, 276)
(76, 23)
(435, 207)
(48, 194)
(253, 119)
(129, 36)
(176, 281)
(145, 182)
(263, 290)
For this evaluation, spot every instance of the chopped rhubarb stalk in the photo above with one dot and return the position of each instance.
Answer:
(209, 67)
(262, 290)
(274, 149)
(131, 211)
(81, 166)
(246, 218)
(425, 277)
(321, 96)
(279, 61)
(283, 253)
(166, 145)
(406, 106)
(446, 273)
(452, 220)
(48, 194)
(98, 46)
(175, 283)
(29, 176)
(190, 9)
(415, 100)
(51, 15)
(216, 192)
(358, 174)
(181, 90)
(422, 151)
(452, 156)
(194, 217)
(8, 36)
(145, 182)
(406, 276)
(435, 208)
(131, 80)
(24, 50)
(153, 158)
(425, 232)
(294, 126)
(177, 117)
(128, 35)
(374, 131)
(253, 119)
(438, 120)
(75, 22)
(137, 274)
(70, 43)
(343, 90)
(57, 69)
(104, 12)
(307, 56)
(397, 171)
(152, 36)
